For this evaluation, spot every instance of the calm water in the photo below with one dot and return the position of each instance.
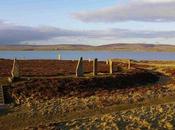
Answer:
(101, 55)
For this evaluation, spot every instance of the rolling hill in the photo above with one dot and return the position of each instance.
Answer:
(109, 47)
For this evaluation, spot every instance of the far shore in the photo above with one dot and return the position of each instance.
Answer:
(109, 47)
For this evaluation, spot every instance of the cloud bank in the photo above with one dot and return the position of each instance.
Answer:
(15, 34)
(10, 33)
(135, 10)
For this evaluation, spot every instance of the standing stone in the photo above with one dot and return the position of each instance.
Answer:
(129, 64)
(107, 62)
(15, 69)
(95, 64)
(89, 60)
(79, 69)
(9, 79)
(110, 67)
(59, 57)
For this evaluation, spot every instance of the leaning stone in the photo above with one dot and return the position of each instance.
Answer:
(79, 68)
(15, 69)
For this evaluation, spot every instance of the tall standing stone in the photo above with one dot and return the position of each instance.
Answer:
(95, 64)
(15, 69)
(107, 62)
(79, 69)
(89, 60)
(110, 66)
(129, 64)
(59, 57)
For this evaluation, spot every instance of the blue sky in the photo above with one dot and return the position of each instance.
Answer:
(50, 12)
(92, 22)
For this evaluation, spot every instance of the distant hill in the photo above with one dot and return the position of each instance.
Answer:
(110, 47)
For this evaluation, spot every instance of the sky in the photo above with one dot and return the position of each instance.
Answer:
(92, 22)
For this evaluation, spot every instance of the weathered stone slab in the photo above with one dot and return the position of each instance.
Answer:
(107, 62)
(110, 66)
(59, 56)
(79, 69)
(129, 64)
(95, 65)
(15, 69)
(89, 59)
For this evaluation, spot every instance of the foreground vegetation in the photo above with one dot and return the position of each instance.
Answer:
(41, 104)
(156, 117)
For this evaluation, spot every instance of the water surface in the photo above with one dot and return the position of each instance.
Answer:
(101, 55)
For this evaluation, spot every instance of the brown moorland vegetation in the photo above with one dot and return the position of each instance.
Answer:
(41, 89)
(44, 100)
(52, 67)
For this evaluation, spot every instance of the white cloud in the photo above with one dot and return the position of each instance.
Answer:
(15, 34)
(137, 10)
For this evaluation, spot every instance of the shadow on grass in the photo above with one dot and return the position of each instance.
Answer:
(4, 110)
(83, 87)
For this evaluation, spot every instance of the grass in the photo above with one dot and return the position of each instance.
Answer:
(19, 118)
